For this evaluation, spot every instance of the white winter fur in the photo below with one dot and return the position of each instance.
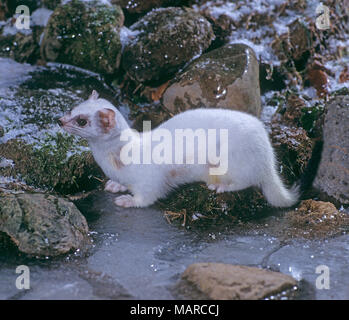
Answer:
(251, 160)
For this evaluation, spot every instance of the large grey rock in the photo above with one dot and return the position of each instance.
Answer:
(227, 77)
(42, 225)
(166, 39)
(333, 174)
(220, 281)
(85, 34)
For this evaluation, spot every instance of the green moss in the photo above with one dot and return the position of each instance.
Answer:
(85, 34)
(50, 165)
(195, 205)
(310, 116)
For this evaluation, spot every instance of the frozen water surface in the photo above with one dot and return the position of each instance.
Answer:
(137, 254)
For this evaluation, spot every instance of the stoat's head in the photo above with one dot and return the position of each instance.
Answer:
(94, 118)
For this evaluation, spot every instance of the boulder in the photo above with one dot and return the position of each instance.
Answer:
(42, 225)
(84, 34)
(218, 281)
(22, 46)
(167, 39)
(227, 77)
(332, 178)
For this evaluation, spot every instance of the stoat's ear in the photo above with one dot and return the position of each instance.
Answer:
(106, 119)
(94, 95)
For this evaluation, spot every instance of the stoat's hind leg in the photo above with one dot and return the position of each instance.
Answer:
(114, 187)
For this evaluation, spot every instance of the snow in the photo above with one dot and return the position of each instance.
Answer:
(13, 72)
(40, 17)
(105, 2)
(127, 35)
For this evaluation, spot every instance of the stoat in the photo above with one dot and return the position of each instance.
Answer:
(156, 166)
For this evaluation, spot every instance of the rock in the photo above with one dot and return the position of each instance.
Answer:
(42, 225)
(222, 24)
(227, 77)
(2, 131)
(167, 39)
(48, 167)
(218, 281)
(314, 219)
(51, 4)
(42, 154)
(141, 6)
(293, 149)
(22, 47)
(332, 178)
(84, 34)
(3, 11)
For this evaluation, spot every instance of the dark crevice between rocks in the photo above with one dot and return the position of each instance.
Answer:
(309, 174)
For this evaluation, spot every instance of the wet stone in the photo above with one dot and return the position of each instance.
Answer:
(219, 281)
(227, 77)
(42, 225)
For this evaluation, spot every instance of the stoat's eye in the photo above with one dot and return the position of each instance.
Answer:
(81, 122)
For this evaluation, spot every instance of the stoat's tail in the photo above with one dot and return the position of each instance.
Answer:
(277, 194)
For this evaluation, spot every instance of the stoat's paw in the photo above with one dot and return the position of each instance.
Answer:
(125, 201)
(114, 187)
(219, 188)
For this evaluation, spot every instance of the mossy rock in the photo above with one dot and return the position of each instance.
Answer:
(167, 39)
(50, 167)
(42, 225)
(33, 148)
(22, 47)
(195, 205)
(85, 34)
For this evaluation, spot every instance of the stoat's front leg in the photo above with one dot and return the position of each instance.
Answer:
(114, 187)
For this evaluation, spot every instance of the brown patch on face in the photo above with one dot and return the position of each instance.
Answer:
(107, 119)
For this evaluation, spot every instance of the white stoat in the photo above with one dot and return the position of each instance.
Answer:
(249, 154)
